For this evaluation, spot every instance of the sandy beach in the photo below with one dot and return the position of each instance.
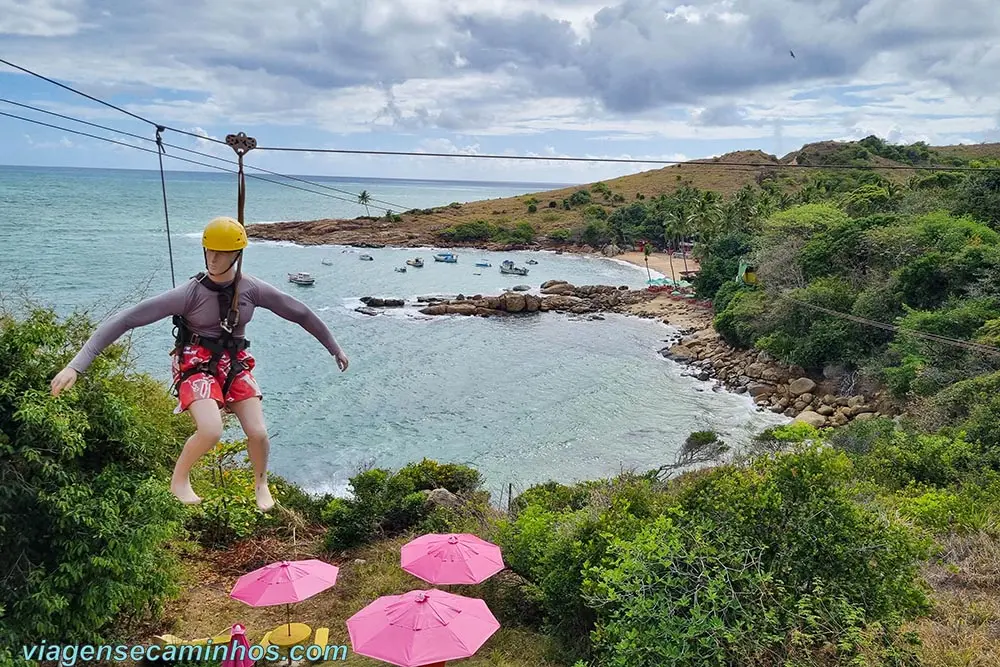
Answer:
(661, 262)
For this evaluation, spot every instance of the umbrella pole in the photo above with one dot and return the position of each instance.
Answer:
(288, 618)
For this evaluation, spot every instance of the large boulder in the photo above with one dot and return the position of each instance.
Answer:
(679, 352)
(559, 302)
(461, 309)
(376, 302)
(811, 418)
(442, 498)
(801, 386)
(611, 250)
(512, 302)
(564, 289)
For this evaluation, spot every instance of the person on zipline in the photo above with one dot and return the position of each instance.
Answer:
(211, 365)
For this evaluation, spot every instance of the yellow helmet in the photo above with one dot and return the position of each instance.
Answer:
(224, 235)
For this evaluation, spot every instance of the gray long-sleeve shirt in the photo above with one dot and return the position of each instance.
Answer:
(199, 306)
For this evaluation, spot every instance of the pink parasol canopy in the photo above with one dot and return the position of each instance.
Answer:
(421, 628)
(284, 583)
(456, 558)
(238, 657)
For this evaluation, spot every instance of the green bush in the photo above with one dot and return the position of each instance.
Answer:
(772, 562)
(551, 548)
(85, 503)
(387, 503)
(595, 233)
(560, 235)
(552, 497)
(480, 230)
(973, 407)
(979, 197)
(898, 458)
(737, 324)
(923, 366)
(579, 198)
(964, 510)
(720, 263)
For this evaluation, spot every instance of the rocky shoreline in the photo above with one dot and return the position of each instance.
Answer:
(359, 233)
(773, 385)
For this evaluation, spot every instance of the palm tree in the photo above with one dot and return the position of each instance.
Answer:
(674, 227)
(647, 250)
(363, 199)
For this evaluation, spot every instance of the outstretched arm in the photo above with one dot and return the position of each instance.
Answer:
(288, 307)
(139, 315)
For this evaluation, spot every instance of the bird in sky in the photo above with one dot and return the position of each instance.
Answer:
(792, 52)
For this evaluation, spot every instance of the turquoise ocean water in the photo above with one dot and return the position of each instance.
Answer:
(523, 399)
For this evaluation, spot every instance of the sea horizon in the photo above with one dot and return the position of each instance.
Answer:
(551, 185)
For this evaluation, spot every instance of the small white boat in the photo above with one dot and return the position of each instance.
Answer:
(508, 267)
(531, 261)
(400, 269)
(415, 262)
(367, 258)
(483, 263)
(449, 257)
(301, 278)
(327, 262)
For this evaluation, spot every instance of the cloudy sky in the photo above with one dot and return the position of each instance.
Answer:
(637, 79)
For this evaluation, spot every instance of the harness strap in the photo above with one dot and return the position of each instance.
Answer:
(217, 346)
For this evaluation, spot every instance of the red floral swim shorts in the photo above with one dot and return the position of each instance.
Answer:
(198, 386)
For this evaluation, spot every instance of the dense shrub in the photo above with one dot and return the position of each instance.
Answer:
(480, 230)
(85, 508)
(560, 235)
(738, 324)
(551, 543)
(386, 503)
(766, 564)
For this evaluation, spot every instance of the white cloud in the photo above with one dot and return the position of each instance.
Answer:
(476, 72)
(40, 18)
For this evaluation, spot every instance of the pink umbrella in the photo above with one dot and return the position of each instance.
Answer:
(284, 583)
(235, 656)
(421, 628)
(451, 559)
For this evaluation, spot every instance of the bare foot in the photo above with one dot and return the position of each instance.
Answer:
(184, 492)
(264, 500)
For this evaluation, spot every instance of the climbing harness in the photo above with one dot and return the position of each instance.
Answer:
(217, 346)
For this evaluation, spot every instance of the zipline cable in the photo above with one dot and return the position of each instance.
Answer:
(107, 104)
(175, 157)
(166, 216)
(356, 195)
(710, 162)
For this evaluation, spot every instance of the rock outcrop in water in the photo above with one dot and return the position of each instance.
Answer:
(557, 295)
